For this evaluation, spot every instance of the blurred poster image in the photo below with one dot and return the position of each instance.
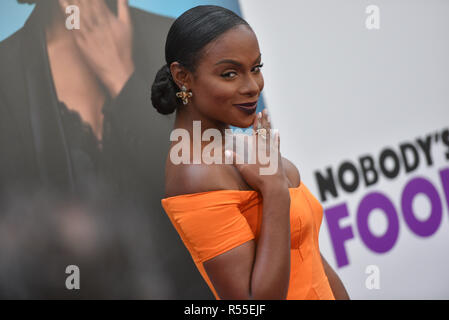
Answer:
(82, 156)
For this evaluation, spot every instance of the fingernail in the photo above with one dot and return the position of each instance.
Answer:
(259, 115)
(228, 154)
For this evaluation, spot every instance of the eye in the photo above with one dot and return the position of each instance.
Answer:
(229, 74)
(258, 67)
(232, 74)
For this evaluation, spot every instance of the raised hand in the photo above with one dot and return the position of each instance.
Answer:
(263, 142)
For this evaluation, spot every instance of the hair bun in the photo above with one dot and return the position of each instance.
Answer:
(163, 92)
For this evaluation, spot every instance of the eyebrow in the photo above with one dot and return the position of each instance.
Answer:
(236, 62)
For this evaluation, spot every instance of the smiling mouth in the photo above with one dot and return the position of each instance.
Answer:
(248, 108)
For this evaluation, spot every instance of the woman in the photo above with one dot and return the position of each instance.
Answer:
(251, 236)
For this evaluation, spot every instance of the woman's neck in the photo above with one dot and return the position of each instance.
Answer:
(186, 115)
(55, 22)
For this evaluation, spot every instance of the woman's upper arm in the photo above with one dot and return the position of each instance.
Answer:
(292, 172)
(230, 272)
(221, 237)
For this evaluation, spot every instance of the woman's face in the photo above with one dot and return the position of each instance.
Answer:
(228, 73)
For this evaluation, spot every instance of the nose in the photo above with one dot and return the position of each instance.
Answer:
(250, 86)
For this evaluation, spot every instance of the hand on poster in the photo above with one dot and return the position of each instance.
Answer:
(105, 40)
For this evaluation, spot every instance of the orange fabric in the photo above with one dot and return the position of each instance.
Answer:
(211, 223)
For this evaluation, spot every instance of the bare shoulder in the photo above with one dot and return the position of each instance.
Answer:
(195, 178)
(292, 173)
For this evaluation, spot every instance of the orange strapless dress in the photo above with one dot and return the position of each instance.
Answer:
(211, 223)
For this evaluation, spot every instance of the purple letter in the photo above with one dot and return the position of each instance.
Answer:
(444, 175)
(370, 202)
(338, 235)
(421, 228)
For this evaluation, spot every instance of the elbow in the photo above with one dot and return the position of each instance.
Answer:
(268, 296)
(264, 294)
(237, 296)
(273, 288)
(269, 293)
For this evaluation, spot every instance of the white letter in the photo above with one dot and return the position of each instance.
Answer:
(274, 153)
(229, 144)
(215, 146)
(196, 142)
(372, 21)
(373, 280)
(72, 21)
(240, 145)
(72, 281)
(183, 145)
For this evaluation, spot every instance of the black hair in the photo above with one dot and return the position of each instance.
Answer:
(187, 36)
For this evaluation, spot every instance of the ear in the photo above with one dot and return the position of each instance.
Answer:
(180, 75)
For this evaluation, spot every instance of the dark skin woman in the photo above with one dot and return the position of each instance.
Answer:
(227, 73)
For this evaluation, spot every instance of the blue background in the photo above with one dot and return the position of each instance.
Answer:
(13, 15)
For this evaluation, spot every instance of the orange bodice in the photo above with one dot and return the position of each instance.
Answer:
(213, 222)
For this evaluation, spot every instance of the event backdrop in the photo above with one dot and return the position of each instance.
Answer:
(360, 92)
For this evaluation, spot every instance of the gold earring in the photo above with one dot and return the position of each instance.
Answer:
(184, 95)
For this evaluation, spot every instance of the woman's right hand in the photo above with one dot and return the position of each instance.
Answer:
(259, 270)
(261, 176)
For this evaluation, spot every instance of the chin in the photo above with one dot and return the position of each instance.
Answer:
(243, 124)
